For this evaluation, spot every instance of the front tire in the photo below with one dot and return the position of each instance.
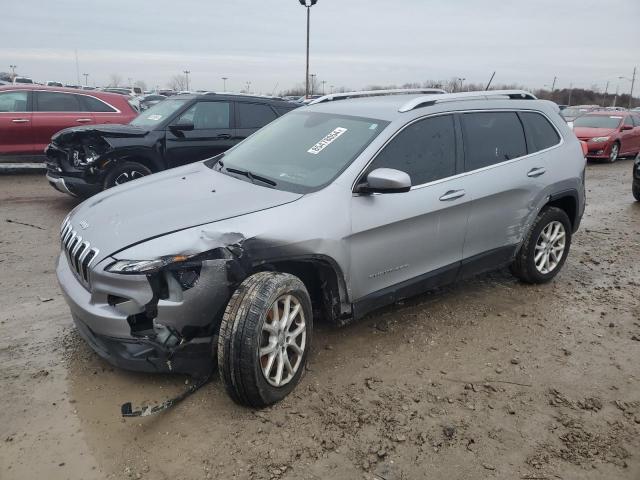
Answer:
(125, 172)
(265, 338)
(635, 188)
(615, 152)
(545, 248)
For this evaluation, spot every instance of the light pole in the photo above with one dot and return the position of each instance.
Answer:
(461, 80)
(313, 83)
(604, 97)
(86, 79)
(248, 87)
(632, 80)
(331, 87)
(553, 85)
(307, 4)
(13, 72)
(570, 93)
(224, 83)
(323, 82)
(186, 75)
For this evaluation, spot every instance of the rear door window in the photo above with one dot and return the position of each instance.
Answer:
(57, 102)
(492, 137)
(628, 121)
(540, 133)
(426, 150)
(254, 115)
(13, 101)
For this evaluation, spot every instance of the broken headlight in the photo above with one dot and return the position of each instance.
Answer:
(144, 266)
(84, 157)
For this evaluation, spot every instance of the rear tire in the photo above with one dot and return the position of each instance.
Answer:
(256, 334)
(545, 248)
(125, 172)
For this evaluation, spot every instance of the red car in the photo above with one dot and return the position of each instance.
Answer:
(31, 114)
(609, 135)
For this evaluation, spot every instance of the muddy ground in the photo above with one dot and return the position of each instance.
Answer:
(489, 378)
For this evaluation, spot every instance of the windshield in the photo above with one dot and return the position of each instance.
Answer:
(157, 114)
(302, 151)
(572, 112)
(598, 121)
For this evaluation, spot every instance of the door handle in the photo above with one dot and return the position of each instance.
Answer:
(536, 172)
(83, 120)
(20, 120)
(224, 136)
(452, 195)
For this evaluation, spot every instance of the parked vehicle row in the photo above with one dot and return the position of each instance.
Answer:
(333, 210)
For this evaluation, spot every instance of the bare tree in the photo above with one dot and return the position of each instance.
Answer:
(115, 80)
(178, 83)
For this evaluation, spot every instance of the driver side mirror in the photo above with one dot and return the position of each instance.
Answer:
(385, 180)
(626, 127)
(182, 125)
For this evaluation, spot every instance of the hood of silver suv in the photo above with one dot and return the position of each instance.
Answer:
(167, 202)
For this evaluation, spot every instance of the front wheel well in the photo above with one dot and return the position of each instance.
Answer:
(147, 162)
(324, 284)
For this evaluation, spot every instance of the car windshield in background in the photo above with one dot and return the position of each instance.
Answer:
(572, 112)
(157, 114)
(301, 151)
(598, 121)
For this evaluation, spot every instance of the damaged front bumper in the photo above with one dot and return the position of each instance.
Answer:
(124, 321)
(75, 180)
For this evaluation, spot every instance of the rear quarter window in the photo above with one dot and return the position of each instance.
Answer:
(282, 110)
(492, 137)
(92, 104)
(540, 133)
(254, 115)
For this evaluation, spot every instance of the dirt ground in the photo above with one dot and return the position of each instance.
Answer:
(485, 379)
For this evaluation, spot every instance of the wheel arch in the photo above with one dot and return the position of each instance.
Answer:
(568, 202)
(145, 157)
(324, 280)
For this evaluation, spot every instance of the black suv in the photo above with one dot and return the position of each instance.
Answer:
(82, 161)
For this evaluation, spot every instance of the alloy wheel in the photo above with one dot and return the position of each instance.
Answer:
(283, 341)
(127, 176)
(550, 247)
(613, 156)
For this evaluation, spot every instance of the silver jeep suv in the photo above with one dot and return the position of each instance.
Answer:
(330, 212)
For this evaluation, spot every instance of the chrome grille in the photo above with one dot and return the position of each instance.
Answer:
(79, 253)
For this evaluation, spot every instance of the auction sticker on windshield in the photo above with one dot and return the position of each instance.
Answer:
(155, 118)
(326, 141)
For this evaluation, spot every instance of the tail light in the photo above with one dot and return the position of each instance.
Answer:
(585, 148)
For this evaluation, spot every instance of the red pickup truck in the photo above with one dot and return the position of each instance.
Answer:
(31, 114)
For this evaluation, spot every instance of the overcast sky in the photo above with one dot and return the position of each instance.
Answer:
(353, 43)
